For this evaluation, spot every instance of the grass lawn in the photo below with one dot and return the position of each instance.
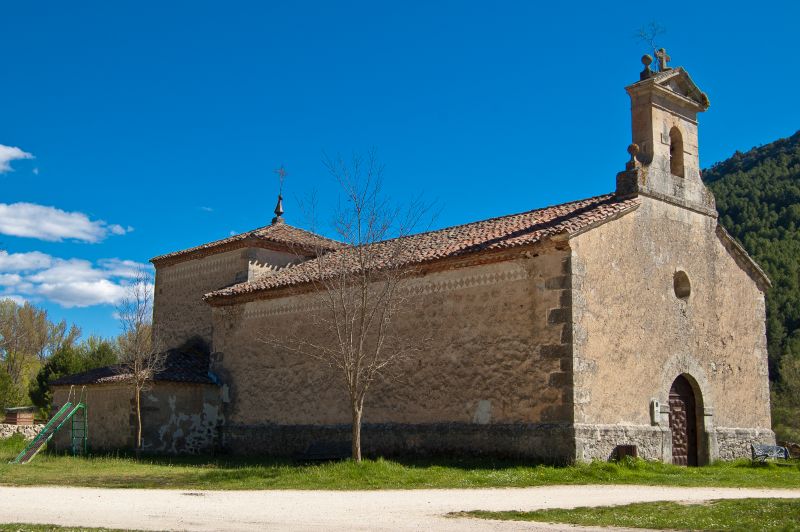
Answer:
(240, 473)
(741, 514)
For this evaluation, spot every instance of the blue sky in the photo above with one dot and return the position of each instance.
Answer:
(131, 129)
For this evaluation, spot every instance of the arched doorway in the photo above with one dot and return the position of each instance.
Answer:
(683, 422)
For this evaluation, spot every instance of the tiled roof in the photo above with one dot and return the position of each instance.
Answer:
(492, 234)
(280, 234)
(179, 367)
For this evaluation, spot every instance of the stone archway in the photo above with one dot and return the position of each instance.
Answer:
(683, 422)
(690, 369)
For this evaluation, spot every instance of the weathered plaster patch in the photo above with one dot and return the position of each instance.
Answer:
(483, 412)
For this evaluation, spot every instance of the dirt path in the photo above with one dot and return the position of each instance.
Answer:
(323, 510)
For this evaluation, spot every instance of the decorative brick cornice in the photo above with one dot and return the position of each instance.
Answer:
(250, 242)
(193, 270)
(416, 287)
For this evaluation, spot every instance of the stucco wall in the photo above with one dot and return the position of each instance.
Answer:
(633, 336)
(179, 313)
(108, 415)
(494, 355)
(176, 417)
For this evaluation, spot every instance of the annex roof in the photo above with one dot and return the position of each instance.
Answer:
(276, 235)
(179, 367)
(500, 233)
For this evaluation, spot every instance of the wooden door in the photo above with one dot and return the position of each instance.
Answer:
(683, 422)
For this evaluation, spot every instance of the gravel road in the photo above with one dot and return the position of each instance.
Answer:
(324, 510)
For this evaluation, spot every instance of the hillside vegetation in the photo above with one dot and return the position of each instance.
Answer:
(758, 198)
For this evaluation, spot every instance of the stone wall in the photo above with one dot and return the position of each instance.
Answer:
(28, 431)
(176, 418)
(599, 442)
(633, 336)
(656, 110)
(179, 312)
(542, 442)
(735, 443)
(493, 357)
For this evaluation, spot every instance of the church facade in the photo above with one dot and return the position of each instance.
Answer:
(625, 323)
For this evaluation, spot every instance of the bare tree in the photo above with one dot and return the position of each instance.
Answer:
(360, 290)
(649, 35)
(138, 355)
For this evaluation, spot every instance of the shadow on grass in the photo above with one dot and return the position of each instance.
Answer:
(125, 470)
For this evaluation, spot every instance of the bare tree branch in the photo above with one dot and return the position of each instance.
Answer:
(358, 291)
(139, 356)
(649, 35)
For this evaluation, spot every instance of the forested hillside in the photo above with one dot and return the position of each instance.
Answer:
(758, 198)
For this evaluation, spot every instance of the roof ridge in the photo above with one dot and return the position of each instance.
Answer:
(495, 218)
(306, 231)
(605, 197)
(501, 232)
(259, 232)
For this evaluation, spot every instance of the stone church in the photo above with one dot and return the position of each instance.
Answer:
(624, 323)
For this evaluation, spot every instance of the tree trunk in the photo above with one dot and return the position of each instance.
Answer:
(357, 433)
(138, 422)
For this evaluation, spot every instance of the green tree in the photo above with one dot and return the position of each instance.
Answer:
(27, 339)
(9, 394)
(67, 360)
(786, 400)
(758, 199)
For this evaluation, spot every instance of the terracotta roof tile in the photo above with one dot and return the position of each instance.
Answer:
(281, 234)
(492, 234)
(179, 367)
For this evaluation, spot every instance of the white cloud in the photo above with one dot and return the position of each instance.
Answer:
(123, 268)
(82, 293)
(10, 279)
(19, 262)
(67, 282)
(52, 224)
(11, 153)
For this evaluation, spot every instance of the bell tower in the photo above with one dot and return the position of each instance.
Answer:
(665, 163)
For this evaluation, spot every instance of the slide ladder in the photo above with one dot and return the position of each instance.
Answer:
(72, 410)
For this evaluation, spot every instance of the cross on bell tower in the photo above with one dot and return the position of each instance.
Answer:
(665, 161)
(663, 59)
(281, 173)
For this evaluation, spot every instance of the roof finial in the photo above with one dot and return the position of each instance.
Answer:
(647, 72)
(279, 207)
(633, 150)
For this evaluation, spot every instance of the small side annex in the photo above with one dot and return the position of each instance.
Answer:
(180, 409)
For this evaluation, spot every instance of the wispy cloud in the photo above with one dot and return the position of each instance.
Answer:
(19, 300)
(11, 153)
(52, 224)
(206, 209)
(68, 282)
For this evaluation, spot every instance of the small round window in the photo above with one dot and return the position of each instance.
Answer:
(681, 285)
